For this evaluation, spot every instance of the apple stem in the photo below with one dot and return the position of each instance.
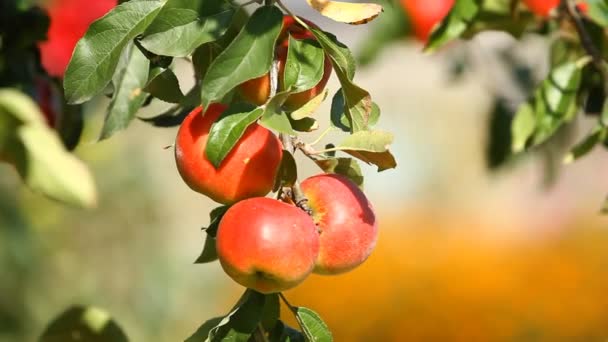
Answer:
(291, 307)
(296, 191)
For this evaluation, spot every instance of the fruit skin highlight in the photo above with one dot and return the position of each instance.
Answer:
(425, 14)
(267, 245)
(247, 171)
(257, 90)
(345, 219)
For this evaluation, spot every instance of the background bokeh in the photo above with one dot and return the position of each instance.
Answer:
(464, 254)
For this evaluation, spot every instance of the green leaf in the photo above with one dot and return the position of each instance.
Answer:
(598, 11)
(553, 104)
(228, 130)
(39, 155)
(340, 55)
(274, 117)
(304, 65)
(240, 323)
(343, 166)
(164, 85)
(288, 171)
(458, 20)
(271, 311)
(340, 120)
(523, 127)
(202, 58)
(313, 326)
(81, 323)
(309, 107)
(180, 28)
(96, 55)
(248, 56)
(285, 333)
(597, 136)
(209, 253)
(128, 95)
(357, 101)
(304, 125)
(202, 333)
(370, 147)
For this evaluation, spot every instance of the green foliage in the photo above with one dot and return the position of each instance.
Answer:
(209, 253)
(228, 130)
(97, 54)
(83, 324)
(248, 56)
(184, 25)
(303, 66)
(38, 154)
(312, 325)
(128, 94)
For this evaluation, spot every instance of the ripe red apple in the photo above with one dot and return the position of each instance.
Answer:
(247, 171)
(346, 221)
(69, 22)
(257, 90)
(425, 14)
(543, 8)
(267, 245)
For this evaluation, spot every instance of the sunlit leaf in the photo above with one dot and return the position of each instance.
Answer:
(346, 12)
(179, 28)
(128, 95)
(313, 326)
(249, 55)
(96, 55)
(228, 129)
(304, 65)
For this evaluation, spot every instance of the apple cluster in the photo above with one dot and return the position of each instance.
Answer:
(267, 244)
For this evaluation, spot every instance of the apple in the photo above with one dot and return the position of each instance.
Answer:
(257, 90)
(247, 171)
(543, 8)
(267, 245)
(69, 22)
(425, 14)
(345, 219)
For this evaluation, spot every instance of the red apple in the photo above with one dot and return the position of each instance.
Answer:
(267, 245)
(543, 8)
(69, 22)
(346, 221)
(247, 171)
(257, 90)
(425, 14)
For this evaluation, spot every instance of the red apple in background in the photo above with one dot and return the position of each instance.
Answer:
(425, 14)
(543, 8)
(69, 22)
(346, 220)
(257, 90)
(247, 171)
(267, 245)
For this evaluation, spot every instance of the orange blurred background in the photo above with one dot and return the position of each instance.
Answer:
(464, 254)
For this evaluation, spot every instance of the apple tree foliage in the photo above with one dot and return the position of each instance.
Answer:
(129, 55)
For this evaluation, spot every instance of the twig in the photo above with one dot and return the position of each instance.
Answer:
(291, 307)
(597, 60)
(296, 191)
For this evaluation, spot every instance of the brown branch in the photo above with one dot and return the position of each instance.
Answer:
(296, 191)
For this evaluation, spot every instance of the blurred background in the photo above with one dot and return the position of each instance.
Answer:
(467, 251)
